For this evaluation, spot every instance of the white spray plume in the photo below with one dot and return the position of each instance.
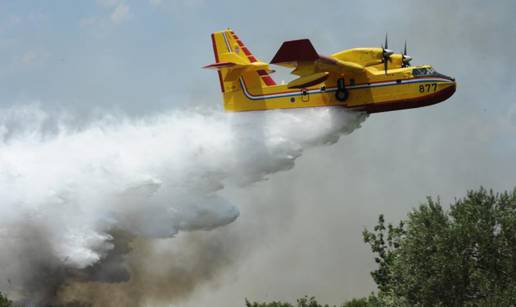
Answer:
(62, 192)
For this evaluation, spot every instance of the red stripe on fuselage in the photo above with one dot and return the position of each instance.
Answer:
(266, 77)
(268, 80)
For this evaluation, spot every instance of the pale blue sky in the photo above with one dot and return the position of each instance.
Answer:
(144, 55)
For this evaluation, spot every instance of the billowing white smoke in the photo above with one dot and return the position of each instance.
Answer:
(63, 189)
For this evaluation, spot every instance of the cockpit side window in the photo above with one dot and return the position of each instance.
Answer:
(417, 72)
(428, 72)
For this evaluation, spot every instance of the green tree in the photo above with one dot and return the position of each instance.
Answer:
(4, 301)
(372, 301)
(302, 302)
(273, 304)
(363, 302)
(464, 256)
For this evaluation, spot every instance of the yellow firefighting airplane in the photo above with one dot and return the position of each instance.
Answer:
(369, 79)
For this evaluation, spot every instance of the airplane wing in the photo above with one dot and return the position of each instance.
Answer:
(312, 67)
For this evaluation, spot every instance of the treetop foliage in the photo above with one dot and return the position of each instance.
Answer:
(463, 256)
(4, 302)
(312, 302)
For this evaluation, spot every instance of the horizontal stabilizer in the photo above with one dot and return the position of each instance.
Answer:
(300, 50)
(236, 66)
(218, 66)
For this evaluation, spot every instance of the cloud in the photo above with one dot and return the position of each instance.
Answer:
(31, 58)
(121, 13)
(28, 58)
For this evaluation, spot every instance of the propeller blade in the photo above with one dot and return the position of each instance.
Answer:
(405, 59)
(386, 42)
(386, 53)
(385, 63)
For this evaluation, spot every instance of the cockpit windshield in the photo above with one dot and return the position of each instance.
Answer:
(426, 71)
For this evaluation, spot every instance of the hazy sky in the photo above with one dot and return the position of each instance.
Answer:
(144, 57)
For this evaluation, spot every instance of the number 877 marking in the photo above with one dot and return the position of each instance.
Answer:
(426, 88)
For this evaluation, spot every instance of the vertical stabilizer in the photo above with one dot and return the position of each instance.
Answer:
(230, 50)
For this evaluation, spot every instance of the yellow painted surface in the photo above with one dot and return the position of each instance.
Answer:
(371, 86)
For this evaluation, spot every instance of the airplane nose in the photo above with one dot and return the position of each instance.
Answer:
(436, 74)
(454, 83)
(450, 90)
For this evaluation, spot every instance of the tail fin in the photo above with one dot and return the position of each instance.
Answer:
(233, 60)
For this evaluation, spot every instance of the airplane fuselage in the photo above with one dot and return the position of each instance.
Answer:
(398, 89)
(367, 79)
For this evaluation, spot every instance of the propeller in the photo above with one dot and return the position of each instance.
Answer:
(405, 59)
(386, 54)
